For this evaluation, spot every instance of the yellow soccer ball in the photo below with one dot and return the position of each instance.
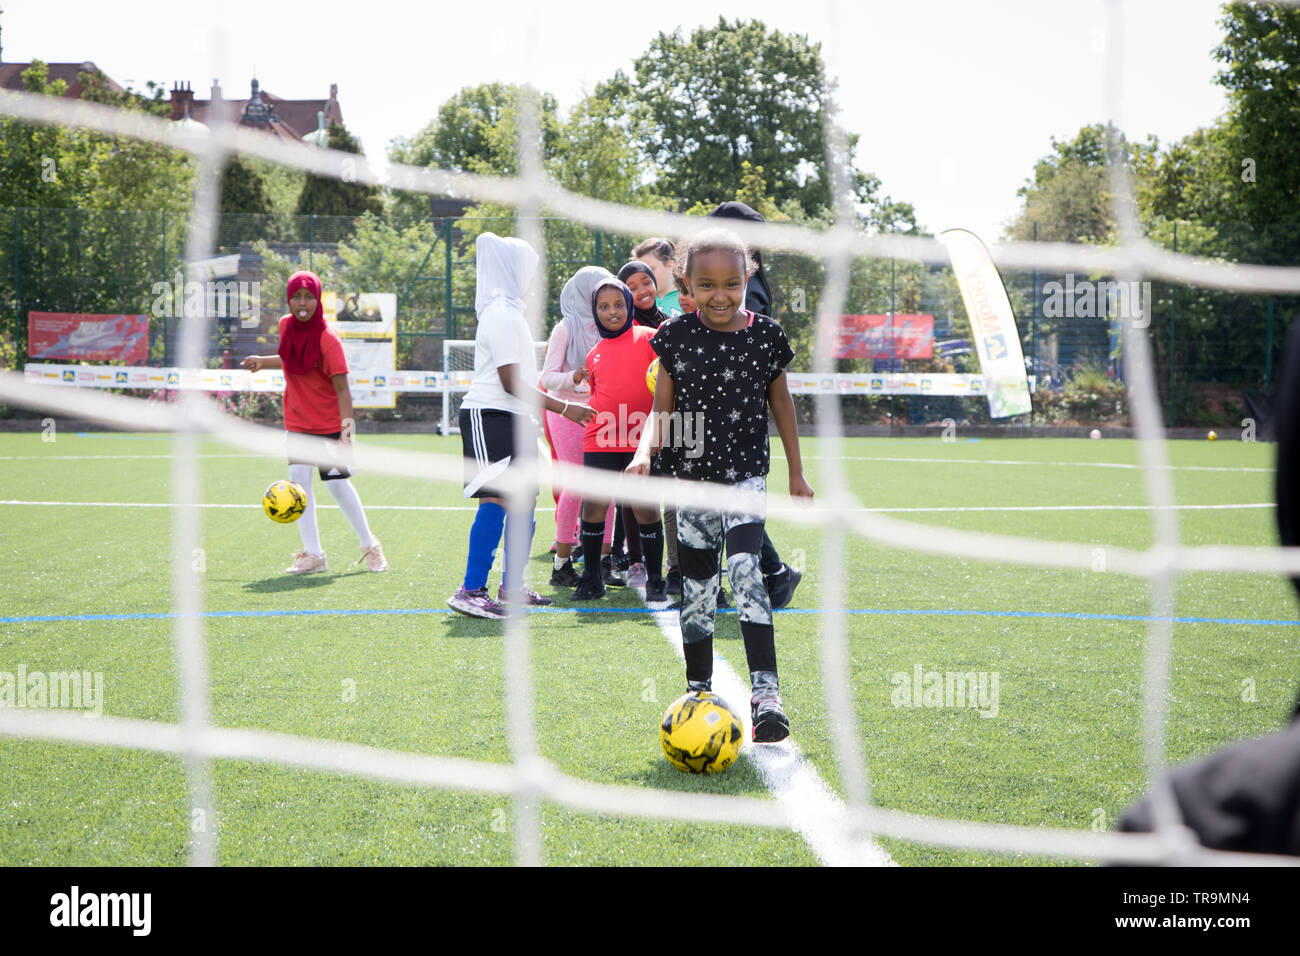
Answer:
(1212, 436)
(652, 376)
(700, 733)
(284, 501)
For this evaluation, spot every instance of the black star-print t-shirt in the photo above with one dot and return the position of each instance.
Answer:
(722, 377)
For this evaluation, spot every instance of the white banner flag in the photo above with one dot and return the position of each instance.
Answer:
(991, 323)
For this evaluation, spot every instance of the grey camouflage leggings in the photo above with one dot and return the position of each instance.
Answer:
(700, 536)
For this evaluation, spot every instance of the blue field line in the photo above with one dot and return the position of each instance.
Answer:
(909, 612)
(125, 437)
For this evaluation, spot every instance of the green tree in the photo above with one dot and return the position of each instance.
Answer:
(733, 93)
(1260, 54)
(1069, 198)
(99, 219)
(242, 189)
(329, 196)
(475, 131)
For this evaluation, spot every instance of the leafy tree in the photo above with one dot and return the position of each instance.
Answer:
(733, 93)
(1069, 198)
(99, 218)
(475, 131)
(326, 196)
(1261, 57)
(242, 189)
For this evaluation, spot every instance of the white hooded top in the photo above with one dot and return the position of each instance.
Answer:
(503, 270)
(574, 337)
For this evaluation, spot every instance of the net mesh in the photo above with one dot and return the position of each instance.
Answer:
(529, 778)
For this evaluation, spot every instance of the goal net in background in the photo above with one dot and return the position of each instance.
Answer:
(458, 364)
(198, 740)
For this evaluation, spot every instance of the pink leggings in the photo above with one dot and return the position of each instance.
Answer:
(567, 437)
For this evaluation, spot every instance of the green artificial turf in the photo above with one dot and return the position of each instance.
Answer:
(1063, 750)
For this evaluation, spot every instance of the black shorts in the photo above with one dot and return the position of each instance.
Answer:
(487, 437)
(327, 473)
(616, 461)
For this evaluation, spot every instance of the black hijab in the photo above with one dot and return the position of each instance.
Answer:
(651, 317)
(627, 298)
(758, 294)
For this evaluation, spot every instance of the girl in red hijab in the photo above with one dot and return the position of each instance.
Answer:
(317, 401)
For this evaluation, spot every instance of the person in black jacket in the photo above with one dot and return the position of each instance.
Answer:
(780, 578)
(1247, 797)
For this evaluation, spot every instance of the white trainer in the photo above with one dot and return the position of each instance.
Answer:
(304, 563)
(374, 558)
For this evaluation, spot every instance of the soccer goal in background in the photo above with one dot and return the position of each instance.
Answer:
(458, 363)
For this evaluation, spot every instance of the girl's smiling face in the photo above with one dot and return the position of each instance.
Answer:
(663, 271)
(643, 290)
(687, 303)
(611, 308)
(717, 281)
(302, 304)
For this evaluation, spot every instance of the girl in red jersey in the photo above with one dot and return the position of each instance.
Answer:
(616, 369)
(317, 401)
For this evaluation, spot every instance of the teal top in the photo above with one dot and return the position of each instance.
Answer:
(668, 304)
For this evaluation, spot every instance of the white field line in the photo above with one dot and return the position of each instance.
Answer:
(793, 510)
(545, 461)
(1007, 461)
(114, 457)
(813, 809)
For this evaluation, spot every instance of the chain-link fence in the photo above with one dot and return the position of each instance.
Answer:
(1210, 347)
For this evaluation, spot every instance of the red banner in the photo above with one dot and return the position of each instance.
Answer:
(897, 336)
(89, 338)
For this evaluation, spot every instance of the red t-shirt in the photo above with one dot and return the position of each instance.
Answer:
(310, 403)
(619, 394)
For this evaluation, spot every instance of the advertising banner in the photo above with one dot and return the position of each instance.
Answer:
(88, 338)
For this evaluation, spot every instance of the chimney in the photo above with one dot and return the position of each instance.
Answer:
(182, 100)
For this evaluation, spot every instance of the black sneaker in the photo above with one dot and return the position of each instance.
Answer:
(655, 591)
(565, 577)
(589, 590)
(780, 586)
(770, 724)
(608, 576)
(674, 581)
(576, 553)
(621, 561)
(699, 687)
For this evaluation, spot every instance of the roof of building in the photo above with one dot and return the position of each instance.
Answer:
(11, 76)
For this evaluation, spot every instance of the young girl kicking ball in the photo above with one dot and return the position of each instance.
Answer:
(616, 368)
(317, 401)
(727, 365)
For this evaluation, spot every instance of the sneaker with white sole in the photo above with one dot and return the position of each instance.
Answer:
(768, 721)
(374, 558)
(525, 596)
(476, 604)
(304, 563)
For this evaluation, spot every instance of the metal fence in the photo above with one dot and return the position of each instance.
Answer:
(1210, 347)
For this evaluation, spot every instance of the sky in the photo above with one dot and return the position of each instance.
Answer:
(953, 102)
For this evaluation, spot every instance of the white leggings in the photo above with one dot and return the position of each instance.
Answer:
(344, 495)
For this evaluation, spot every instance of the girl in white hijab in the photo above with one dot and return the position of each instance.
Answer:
(564, 375)
(505, 368)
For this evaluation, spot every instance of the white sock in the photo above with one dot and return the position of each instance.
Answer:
(350, 502)
(560, 562)
(307, 529)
